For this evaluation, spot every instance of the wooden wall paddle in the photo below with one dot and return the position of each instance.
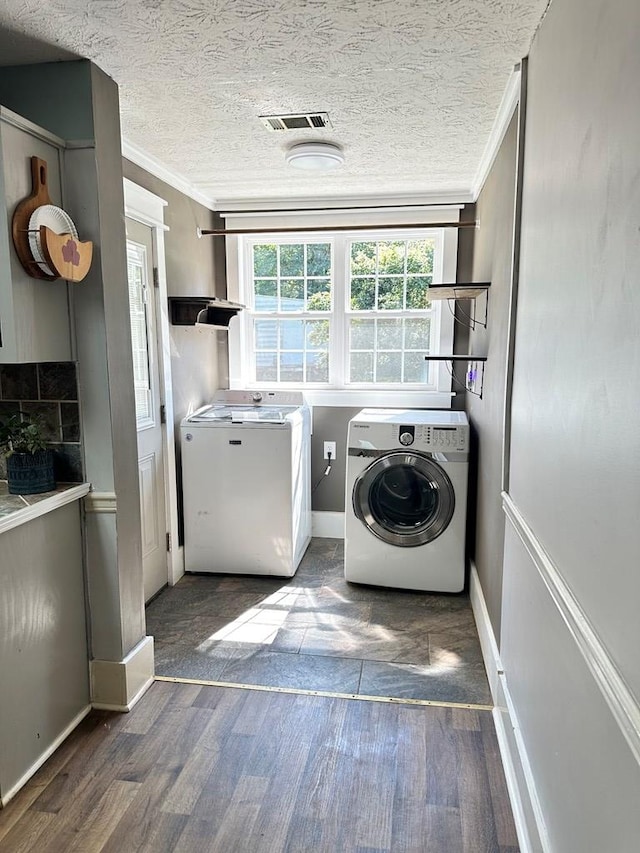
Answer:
(22, 215)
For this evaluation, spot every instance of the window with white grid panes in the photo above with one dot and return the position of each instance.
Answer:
(138, 291)
(345, 310)
(389, 313)
(291, 304)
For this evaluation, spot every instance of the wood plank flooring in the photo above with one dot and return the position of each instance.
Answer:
(194, 769)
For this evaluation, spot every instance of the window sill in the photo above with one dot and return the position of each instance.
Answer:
(365, 398)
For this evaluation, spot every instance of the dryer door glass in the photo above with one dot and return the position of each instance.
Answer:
(405, 499)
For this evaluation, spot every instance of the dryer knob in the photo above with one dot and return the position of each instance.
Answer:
(406, 438)
(188, 437)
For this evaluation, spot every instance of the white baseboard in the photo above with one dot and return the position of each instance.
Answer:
(64, 734)
(124, 709)
(488, 644)
(520, 783)
(118, 685)
(176, 566)
(327, 525)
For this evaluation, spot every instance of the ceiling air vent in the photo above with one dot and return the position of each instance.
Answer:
(300, 121)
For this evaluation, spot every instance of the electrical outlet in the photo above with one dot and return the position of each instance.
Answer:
(330, 448)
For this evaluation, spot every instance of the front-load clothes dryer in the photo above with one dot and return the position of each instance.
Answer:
(406, 499)
(246, 484)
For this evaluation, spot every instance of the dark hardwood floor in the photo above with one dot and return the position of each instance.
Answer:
(195, 768)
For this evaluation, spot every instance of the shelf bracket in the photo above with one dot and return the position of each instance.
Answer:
(473, 320)
(474, 377)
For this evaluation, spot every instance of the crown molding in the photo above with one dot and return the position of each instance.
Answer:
(164, 173)
(456, 197)
(507, 107)
(442, 198)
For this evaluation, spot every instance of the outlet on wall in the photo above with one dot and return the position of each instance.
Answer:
(330, 448)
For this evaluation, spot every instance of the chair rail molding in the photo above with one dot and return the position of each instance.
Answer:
(611, 684)
(100, 502)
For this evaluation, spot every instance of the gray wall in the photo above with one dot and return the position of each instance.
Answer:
(33, 91)
(492, 262)
(94, 199)
(329, 424)
(195, 267)
(570, 626)
(106, 175)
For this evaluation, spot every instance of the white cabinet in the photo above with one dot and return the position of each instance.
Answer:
(34, 313)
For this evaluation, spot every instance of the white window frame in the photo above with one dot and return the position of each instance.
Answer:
(247, 244)
(239, 268)
(147, 386)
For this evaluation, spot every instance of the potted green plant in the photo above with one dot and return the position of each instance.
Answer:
(29, 460)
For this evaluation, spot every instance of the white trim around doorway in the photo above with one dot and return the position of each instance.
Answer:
(148, 208)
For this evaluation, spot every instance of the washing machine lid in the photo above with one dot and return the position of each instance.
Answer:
(404, 498)
(248, 407)
(242, 414)
(257, 398)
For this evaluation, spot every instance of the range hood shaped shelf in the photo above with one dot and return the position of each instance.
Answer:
(202, 311)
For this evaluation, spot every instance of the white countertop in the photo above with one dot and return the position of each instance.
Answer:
(18, 509)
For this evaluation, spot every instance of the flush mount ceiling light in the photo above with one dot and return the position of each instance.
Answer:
(315, 156)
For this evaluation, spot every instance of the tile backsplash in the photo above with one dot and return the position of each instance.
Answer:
(49, 390)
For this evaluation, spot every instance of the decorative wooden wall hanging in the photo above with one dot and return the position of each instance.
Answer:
(48, 251)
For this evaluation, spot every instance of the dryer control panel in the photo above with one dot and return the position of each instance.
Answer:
(441, 437)
(389, 429)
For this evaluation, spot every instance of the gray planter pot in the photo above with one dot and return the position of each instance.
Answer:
(30, 473)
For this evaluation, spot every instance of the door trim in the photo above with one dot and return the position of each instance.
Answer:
(148, 209)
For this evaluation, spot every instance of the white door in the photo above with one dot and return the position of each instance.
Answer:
(148, 406)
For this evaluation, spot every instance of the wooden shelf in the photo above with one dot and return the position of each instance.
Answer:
(455, 358)
(458, 291)
(202, 311)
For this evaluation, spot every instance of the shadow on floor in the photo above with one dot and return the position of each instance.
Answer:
(314, 631)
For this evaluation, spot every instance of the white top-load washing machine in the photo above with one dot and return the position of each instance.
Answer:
(246, 474)
(406, 499)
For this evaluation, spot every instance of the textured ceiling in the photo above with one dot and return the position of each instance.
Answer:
(412, 86)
